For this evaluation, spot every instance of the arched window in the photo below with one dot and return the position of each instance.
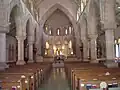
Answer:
(37, 16)
(66, 31)
(78, 13)
(31, 4)
(70, 29)
(116, 49)
(47, 45)
(50, 32)
(119, 47)
(58, 31)
(46, 28)
(102, 10)
(70, 44)
(82, 6)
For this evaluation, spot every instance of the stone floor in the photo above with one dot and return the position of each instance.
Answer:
(57, 80)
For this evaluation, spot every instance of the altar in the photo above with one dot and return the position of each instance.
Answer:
(58, 61)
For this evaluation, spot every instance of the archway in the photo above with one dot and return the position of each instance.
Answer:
(54, 8)
(58, 26)
(12, 46)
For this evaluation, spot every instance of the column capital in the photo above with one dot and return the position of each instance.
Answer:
(93, 36)
(84, 39)
(105, 29)
(30, 42)
(21, 38)
(30, 39)
(4, 29)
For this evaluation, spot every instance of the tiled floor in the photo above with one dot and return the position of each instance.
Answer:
(57, 80)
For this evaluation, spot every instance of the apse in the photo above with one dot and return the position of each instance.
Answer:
(60, 33)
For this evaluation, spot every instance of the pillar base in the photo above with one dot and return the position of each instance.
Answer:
(20, 62)
(111, 64)
(31, 61)
(3, 66)
(86, 60)
(39, 59)
(94, 61)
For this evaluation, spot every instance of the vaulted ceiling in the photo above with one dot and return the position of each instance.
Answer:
(118, 12)
(36, 4)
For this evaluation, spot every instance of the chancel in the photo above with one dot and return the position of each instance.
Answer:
(59, 45)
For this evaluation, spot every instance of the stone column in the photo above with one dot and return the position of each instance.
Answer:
(85, 50)
(3, 64)
(3, 30)
(110, 50)
(39, 42)
(93, 47)
(110, 54)
(109, 27)
(84, 40)
(30, 46)
(30, 51)
(20, 60)
(92, 30)
(77, 40)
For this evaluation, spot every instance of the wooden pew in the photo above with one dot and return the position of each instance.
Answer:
(34, 73)
(90, 73)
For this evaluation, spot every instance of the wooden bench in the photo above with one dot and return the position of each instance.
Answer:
(35, 74)
(85, 73)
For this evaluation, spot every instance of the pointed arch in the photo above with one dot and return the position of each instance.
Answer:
(14, 4)
(28, 26)
(55, 7)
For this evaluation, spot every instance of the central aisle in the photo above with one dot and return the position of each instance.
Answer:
(57, 80)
